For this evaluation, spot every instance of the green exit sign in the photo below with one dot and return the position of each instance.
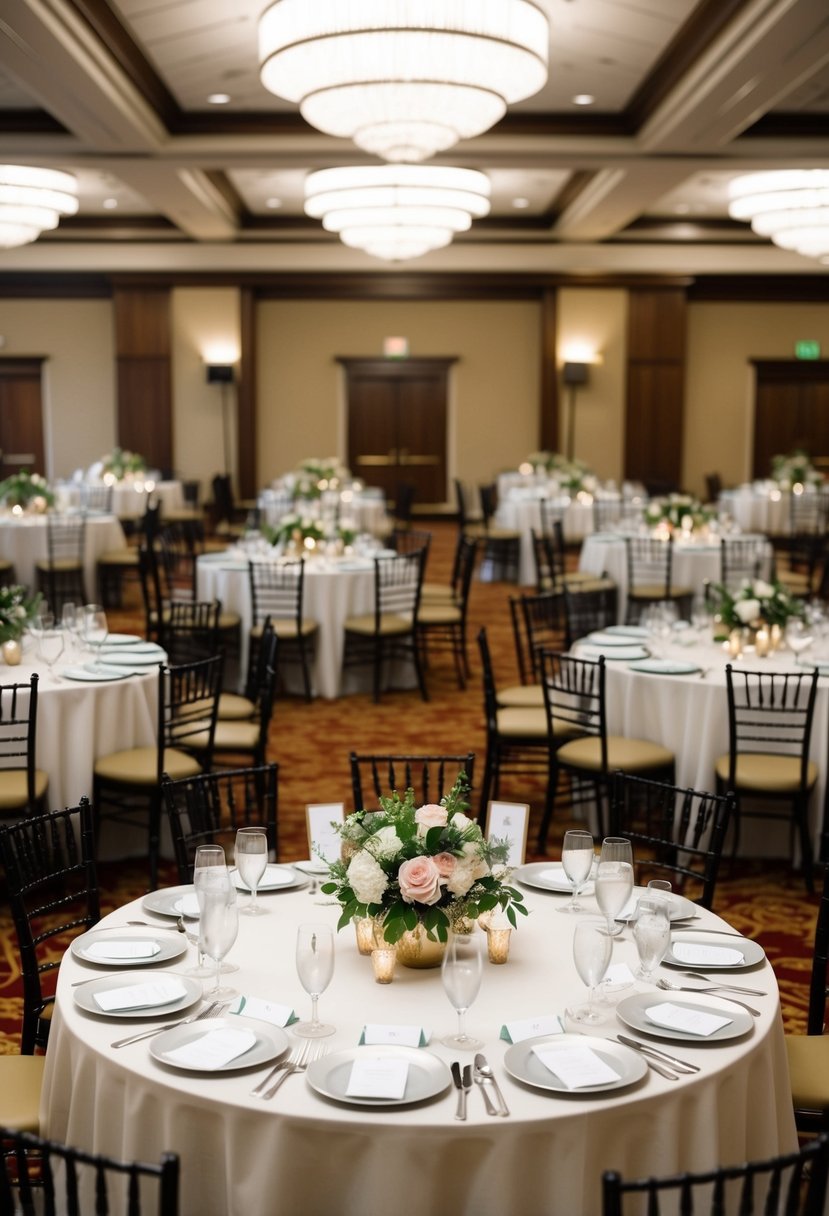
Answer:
(807, 350)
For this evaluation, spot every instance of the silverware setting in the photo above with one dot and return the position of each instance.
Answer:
(208, 1011)
(667, 987)
(712, 983)
(463, 1084)
(484, 1077)
(300, 1057)
(663, 1057)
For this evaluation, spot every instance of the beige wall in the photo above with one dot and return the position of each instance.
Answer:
(494, 387)
(77, 338)
(719, 397)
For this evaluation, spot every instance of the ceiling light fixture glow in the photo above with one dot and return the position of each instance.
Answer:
(32, 201)
(583, 99)
(789, 206)
(396, 212)
(403, 78)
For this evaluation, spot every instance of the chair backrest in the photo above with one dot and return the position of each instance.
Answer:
(223, 497)
(18, 732)
(713, 487)
(49, 866)
(96, 497)
(152, 593)
(404, 496)
(490, 688)
(649, 563)
(39, 1175)
(177, 545)
(209, 808)
(551, 511)
(464, 568)
(260, 658)
(189, 629)
(488, 495)
(431, 777)
(820, 964)
(741, 557)
(607, 513)
(794, 1184)
(397, 583)
(808, 512)
(676, 833)
(538, 622)
(770, 712)
(277, 590)
(406, 540)
(188, 695)
(461, 503)
(574, 696)
(549, 562)
(588, 610)
(65, 537)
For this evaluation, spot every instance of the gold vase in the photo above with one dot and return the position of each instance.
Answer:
(416, 949)
(12, 652)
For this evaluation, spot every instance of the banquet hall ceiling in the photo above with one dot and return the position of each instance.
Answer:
(687, 95)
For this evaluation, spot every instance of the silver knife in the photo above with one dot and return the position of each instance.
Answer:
(483, 1070)
(460, 1109)
(646, 1049)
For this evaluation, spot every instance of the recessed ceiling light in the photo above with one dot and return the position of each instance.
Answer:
(219, 99)
(109, 204)
(273, 203)
(583, 99)
(520, 203)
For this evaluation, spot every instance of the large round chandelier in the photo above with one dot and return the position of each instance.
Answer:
(403, 78)
(396, 211)
(790, 206)
(32, 200)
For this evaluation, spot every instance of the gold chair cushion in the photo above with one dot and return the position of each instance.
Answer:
(63, 565)
(21, 1080)
(809, 1070)
(515, 722)
(629, 755)
(119, 557)
(438, 614)
(656, 591)
(522, 696)
(235, 708)
(493, 532)
(137, 765)
(435, 591)
(767, 773)
(229, 620)
(286, 627)
(14, 788)
(235, 736)
(5, 565)
(390, 624)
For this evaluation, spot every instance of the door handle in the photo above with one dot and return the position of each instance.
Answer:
(421, 460)
(19, 458)
(374, 460)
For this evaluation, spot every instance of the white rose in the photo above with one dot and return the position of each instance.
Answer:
(471, 856)
(763, 591)
(366, 878)
(461, 879)
(461, 821)
(747, 610)
(385, 843)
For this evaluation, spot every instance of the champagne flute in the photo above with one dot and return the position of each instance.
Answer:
(461, 973)
(592, 947)
(799, 635)
(652, 934)
(50, 644)
(219, 928)
(251, 863)
(577, 861)
(68, 617)
(97, 631)
(315, 966)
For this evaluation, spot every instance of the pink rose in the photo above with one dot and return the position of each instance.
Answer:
(445, 863)
(431, 816)
(419, 880)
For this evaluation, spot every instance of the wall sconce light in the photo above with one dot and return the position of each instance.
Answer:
(223, 375)
(573, 375)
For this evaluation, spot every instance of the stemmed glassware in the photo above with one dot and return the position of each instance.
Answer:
(96, 632)
(592, 948)
(652, 934)
(577, 859)
(315, 966)
(219, 924)
(614, 879)
(68, 621)
(209, 875)
(251, 863)
(50, 644)
(799, 635)
(461, 973)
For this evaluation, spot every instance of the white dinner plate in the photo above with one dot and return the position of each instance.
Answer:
(124, 639)
(628, 631)
(275, 878)
(522, 1063)
(821, 665)
(126, 657)
(92, 674)
(172, 945)
(631, 1011)
(271, 1042)
(311, 865)
(616, 654)
(84, 994)
(428, 1076)
(548, 876)
(164, 901)
(605, 639)
(753, 953)
(665, 667)
(679, 908)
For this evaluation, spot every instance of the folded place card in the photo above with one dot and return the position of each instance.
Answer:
(263, 1011)
(700, 955)
(141, 996)
(188, 905)
(126, 948)
(680, 1017)
(618, 973)
(576, 1067)
(212, 1050)
(375, 1078)
(398, 1036)
(531, 1028)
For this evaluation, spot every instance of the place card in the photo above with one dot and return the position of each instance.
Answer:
(399, 1036)
(188, 905)
(264, 1011)
(375, 1078)
(699, 955)
(618, 973)
(509, 821)
(141, 996)
(576, 1067)
(531, 1028)
(691, 1021)
(212, 1050)
(323, 838)
(124, 949)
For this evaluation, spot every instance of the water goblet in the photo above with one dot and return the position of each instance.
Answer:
(251, 863)
(209, 875)
(219, 924)
(315, 966)
(461, 972)
(651, 933)
(97, 632)
(592, 948)
(577, 859)
(799, 635)
(50, 646)
(614, 887)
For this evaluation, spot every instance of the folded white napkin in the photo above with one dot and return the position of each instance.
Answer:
(187, 905)
(700, 955)
(212, 1050)
(576, 1067)
(691, 1021)
(375, 1078)
(125, 948)
(141, 996)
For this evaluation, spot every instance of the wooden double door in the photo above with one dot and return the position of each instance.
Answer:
(21, 416)
(397, 423)
(791, 411)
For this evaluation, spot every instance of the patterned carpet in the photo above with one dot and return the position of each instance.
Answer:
(311, 743)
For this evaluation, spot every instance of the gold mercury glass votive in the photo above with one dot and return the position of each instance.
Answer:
(762, 643)
(735, 643)
(383, 959)
(364, 928)
(497, 945)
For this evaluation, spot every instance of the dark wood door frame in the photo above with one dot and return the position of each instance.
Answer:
(799, 383)
(25, 371)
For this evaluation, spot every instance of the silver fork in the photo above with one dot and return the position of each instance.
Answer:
(296, 1057)
(316, 1052)
(686, 988)
(146, 1034)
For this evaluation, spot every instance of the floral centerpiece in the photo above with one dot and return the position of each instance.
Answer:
(754, 604)
(121, 463)
(293, 528)
(315, 475)
(427, 867)
(678, 512)
(26, 490)
(17, 608)
(572, 475)
(794, 469)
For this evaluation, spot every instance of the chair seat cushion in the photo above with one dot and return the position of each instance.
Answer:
(522, 696)
(14, 788)
(61, 564)
(516, 722)
(21, 1080)
(656, 591)
(767, 773)
(809, 1070)
(436, 591)
(236, 736)
(493, 532)
(235, 708)
(137, 765)
(439, 614)
(286, 627)
(629, 755)
(229, 620)
(119, 557)
(390, 624)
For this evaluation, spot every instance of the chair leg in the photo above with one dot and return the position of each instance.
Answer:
(549, 805)
(306, 675)
(806, 856)
(154, 836)
(421, 679)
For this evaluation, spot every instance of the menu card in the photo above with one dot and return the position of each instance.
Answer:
(323, 839)
(141, 996)
(681, 1017)
(576, 1067)
(212, 1050)
(123, 948)
(509, 821)
(378, 1078)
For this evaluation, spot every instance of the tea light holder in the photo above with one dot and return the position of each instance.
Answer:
(762, 643)
(497, 945)
(364, 928)
(735, 643)
(383, 960)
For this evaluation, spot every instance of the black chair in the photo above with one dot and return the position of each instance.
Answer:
(607, 514)
(404, 496)
(465, 523)
(277, 591)
(189, 629)
(770, 717)
(60, 577)
(44, 1176)
(743, 557)
(230, 516)
(537, 623)
(389, 633)
(442, 626)
(431, 777)
(443, 593)
(209, 808)
(501, 546)
(23, 787)
(808, 1057)
(677, 834)
(129, 781)
(589, 610)
(551, 564)
(406, 540)
(650, 575)
(49, 866)
(237, 737)
(713, 487)
(794, 1184)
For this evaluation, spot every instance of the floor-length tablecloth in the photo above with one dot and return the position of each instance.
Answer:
(24, 542)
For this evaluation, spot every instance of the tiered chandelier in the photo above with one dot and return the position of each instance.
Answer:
(32, 201)
(790, 206)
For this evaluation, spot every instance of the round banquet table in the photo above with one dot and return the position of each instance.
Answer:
(365, 511)
(23, 541)
(130, 498)
(305, 1153)
(521, 511)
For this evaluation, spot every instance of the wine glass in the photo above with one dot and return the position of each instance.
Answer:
(652, 934)
(799, 634)
(315, 966)
(592, 947)
(97, 632)
(50, 644)
(251, 863)
(614, 881)
(68, 618)
(209, 874)
(219, 924)
(577, 861)
(461, 972)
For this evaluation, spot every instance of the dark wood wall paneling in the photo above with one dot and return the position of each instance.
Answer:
(791, 410)
(144, 374)
(246, 464)
(548, 403)
(654, 400)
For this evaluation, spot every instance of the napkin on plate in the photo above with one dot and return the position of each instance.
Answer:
(125, 948)
(187, 905)
(697, 954)
(212, 1050)
(263, 1011)
(374, 1078)
(576, 1067)
(141, 996)
(690, 1021)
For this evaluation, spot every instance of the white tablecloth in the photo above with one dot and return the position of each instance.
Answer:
(363, 512)
(521, 511)
(758, 508)
(129, 498)
(302, 1153)
(23, 541)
